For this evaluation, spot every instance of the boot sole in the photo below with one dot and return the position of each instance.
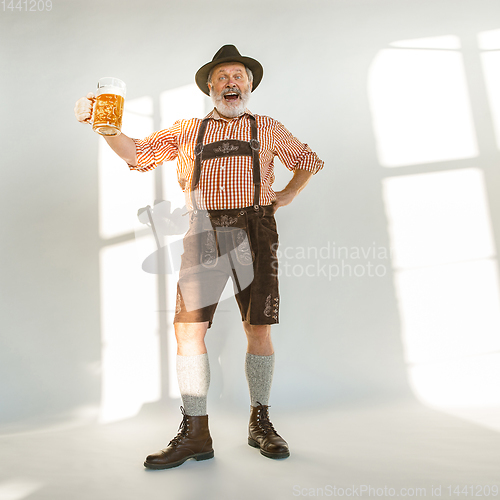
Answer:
(267, 454)
(197, 457)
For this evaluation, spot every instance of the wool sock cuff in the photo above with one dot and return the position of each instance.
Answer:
(259, 372)
(193, 375)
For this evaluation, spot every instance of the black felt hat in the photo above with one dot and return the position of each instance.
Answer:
(228, 53)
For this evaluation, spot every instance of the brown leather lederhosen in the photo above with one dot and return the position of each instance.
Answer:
(206, 226)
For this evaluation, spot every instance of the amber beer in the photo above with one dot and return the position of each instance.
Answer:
(108, 106)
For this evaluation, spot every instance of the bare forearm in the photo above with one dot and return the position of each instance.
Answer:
(124, 147)
(298, 182)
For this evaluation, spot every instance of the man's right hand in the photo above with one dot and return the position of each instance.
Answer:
(83, 108)
(122, 145)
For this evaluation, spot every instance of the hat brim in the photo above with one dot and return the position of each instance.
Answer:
(255, 67)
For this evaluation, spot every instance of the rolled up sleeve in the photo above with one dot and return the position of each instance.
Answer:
(293, 153)
(153, 150)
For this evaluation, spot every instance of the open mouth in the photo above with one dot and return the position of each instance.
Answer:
(231, 96)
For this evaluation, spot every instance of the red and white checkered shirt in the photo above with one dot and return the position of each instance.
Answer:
(226, 182)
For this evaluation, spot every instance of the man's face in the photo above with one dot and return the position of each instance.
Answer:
(230, 89)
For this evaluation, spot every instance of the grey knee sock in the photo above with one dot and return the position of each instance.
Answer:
(193, 374)
(259, 371)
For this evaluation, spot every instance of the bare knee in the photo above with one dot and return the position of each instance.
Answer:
(257, 331)
(191, 338)
(259, 339)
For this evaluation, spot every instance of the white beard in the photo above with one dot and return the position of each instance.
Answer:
(229, 109)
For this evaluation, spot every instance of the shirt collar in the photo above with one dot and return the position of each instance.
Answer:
(216, 116)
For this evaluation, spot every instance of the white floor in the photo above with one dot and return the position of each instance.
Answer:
(398, 445)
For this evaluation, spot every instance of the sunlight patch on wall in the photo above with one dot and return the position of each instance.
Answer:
(130, 375)
(446, 282)
(121, 191)
(181, 103)
(489, 40)
(18, 489)
(491, 69)
(449, 311)
(438, 218)
(420, 107)
(129, 302)
(470, 380)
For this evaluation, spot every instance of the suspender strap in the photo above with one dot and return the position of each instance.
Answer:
(198, 150)
(255, 145)
(230, 147)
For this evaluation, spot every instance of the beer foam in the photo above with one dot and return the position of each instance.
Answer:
(109, 89)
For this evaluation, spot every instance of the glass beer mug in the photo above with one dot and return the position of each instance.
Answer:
(107, 114)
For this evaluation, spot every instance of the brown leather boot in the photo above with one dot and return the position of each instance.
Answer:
(261, 434)
(192, 441)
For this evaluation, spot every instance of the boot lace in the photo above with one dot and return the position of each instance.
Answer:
(183, 429)
(263, 419)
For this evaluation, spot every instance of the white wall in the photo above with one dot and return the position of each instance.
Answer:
(339, 339)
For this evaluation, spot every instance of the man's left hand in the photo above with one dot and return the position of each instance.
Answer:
(285, 197)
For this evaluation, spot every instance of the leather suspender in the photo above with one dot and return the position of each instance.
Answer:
(198, 150)
(255, 145)
(222, 149)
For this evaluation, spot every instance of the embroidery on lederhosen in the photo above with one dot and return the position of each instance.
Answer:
(209, 250)
(268, 308)
(242, 247)
(271, 307)
(226, 148)
(225, 221)
(178, 303)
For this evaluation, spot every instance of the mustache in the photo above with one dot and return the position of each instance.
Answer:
(231, 91)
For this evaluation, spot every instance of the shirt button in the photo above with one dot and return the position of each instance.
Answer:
(222, 188)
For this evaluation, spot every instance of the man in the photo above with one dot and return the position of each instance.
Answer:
(225, 167)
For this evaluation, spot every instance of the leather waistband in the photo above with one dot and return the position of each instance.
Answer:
(265, 209)
(231, 216)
